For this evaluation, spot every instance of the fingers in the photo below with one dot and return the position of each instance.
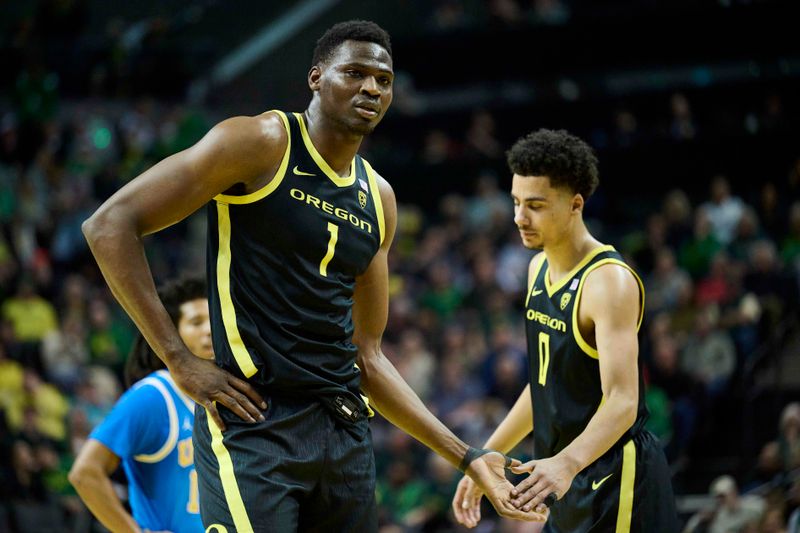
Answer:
(506, 508)
(526, 483)
(523, 468)
(243, 403)
(515, 463)
(534, 496)
(234, 407)
(465, 502)
(211, 409)
(245, 387)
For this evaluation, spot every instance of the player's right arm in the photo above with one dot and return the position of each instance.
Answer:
(138, 424)
(242, 151)
(90, 475)
(517, 424)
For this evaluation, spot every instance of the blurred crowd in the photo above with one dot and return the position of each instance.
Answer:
(721, 271)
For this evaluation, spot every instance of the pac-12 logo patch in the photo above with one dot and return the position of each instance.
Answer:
(362, 199)
(565, 300)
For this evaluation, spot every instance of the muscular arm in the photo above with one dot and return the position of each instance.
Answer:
(240, 150)
(392, 396)
(90, 477)
(610, 300)
(387, 390)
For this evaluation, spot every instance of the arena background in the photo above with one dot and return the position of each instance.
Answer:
(674, 95)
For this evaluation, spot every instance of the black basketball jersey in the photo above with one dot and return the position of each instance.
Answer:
(565, 372)
(282, 263)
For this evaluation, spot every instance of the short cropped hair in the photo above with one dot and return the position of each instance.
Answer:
(564, 158)
(352, 30)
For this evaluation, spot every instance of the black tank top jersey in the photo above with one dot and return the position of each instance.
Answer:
(565, 370)
(282, 263)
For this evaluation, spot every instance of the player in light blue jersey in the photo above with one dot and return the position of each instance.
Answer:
(149, 431)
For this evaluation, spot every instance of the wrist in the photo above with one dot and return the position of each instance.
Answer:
(571, 463)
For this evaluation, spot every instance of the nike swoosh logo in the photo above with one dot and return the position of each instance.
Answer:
(596, 484)
(301, 173)
(536, 291)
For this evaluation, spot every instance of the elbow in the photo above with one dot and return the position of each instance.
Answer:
(630, 410)
(104, 224)
(77, 476)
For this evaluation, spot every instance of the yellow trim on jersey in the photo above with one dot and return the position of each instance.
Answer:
(626, 488)
(554, 288)
(376, 197)
(238, 348)
(532, 281)
(270, 187)
(320, 161)
(229, 485)
(589, 350)
(365, 398)
(172, 437)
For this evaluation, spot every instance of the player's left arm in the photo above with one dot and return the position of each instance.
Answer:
(392, 396)
(610, 300)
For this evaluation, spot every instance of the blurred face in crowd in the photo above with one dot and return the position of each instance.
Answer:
(354, 85)
(544, 214)
(194, 327)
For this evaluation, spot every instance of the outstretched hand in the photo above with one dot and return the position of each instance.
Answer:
(207, 385)
(488, 474)
(547, 476)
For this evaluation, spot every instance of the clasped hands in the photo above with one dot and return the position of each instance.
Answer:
(526, 501)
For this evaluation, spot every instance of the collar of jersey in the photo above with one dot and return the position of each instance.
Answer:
(321, 163)
(552, 289)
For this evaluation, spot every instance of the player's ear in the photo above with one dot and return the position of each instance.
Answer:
(577, 202)
(313, 78)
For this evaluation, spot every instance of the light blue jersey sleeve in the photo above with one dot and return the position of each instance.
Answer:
(136, 424)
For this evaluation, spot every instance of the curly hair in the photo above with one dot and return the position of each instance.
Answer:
(352, 30)
(142, 360)
(565, 159)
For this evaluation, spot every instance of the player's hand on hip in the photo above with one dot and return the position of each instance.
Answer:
(547, 476)
(467, 502)
(209, 385)
(488, 473)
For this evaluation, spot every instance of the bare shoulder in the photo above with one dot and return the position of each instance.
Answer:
(262, 136)
(610, 286)
(535, 261)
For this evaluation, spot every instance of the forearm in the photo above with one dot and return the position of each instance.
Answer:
(398, 403)
(612, 419)
(98, 494)
(517, 424)
(119, 252)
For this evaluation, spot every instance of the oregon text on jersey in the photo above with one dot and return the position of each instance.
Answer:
(331, 209)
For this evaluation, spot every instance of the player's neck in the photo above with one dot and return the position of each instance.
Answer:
(563, 256)
(336, 146)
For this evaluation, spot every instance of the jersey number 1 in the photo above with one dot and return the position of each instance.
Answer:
(323, 265)
(544, 356)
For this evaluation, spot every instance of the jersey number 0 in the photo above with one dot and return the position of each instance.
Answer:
(544, 356)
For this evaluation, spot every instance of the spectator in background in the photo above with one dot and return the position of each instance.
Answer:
(677, 211)
(31, 316)
(723, 209)
(682, 126)
(730, 512)
(696, 252)
(790, 247)
(709, 355)
(664, 283)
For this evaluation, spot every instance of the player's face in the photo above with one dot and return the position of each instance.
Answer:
(355, 85)
(543, 214)
(194, 327)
